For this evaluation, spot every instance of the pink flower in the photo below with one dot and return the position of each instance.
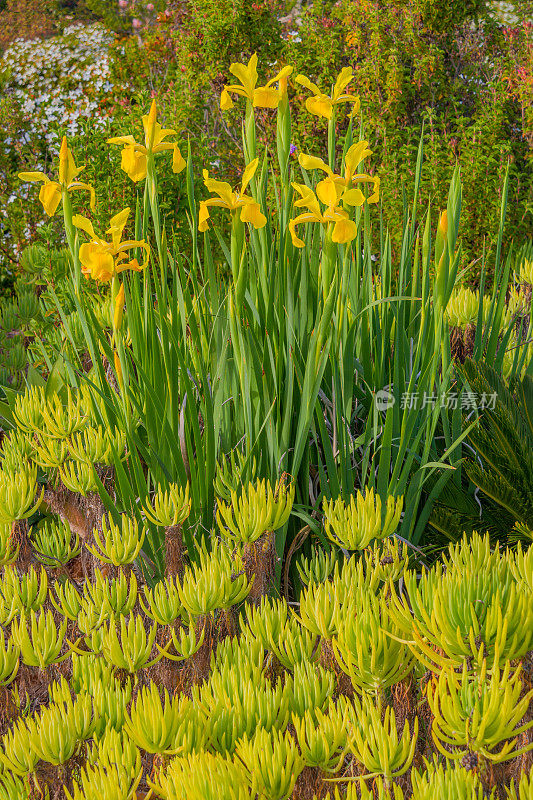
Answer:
(123, 3)
(137, 23)
(150, 7)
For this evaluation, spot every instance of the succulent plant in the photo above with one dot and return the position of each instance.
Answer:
(78, 709)
(167, 726)
(464, 615)
(49, 453)
(463, 307)
(523, 790)
(78, 477)
(9, 549)
(9, 661)
(255, 511)
(16, 752)
(61, 419)
(377, 744)
(114, 596)
(130, 648)
(479, 714)
(323, 739)
(202, 776)
(316, 569)
(28, 410)
(170, 506)
(310, 688)
(212, 583)
(53, 543)
(446, 782)
(353, 526)
(110, 701)
(16, 450)
(18, 491)
(387, 560)
(107, 782)
(367, 646)
(96, 445)
(272, 763)
(39, 639)
(186, 643)
(521, 565)
(66, 599)
(319, 609)
(118, 544)
(13, 787)
(163, 602)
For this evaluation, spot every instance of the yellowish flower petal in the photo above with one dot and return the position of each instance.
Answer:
(225, 100)
(50, 197)
(307, 199)
(251, 213)
(355, 108)
(304, 81)
(264, 97)
(354, 155)
(345, 77)
(224, 191)
(344, 230)
(319, 106)
(118, 222)
(33, 177)
(203, 216)
(133, 264)
(149, 124)
(116, 228)
(299, 220)
(121, 140)
(96, 261)
(133, 163)
(178, 162)
(63, 162)
(118, 369)
(328, 191)
(313, 162)
(247, 75)
(84, 224)
(248, 174)
(78, 185)
(374, 198)
(353, 197)
(297, 242)
(282, 76)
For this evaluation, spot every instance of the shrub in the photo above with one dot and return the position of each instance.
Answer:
(455, 81)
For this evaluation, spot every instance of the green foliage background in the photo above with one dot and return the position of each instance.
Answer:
(451, 67)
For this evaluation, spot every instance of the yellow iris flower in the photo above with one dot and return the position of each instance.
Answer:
(354, 155)
(134, 160)
(334, 192)
(232, 200)
(330, 192)
(322, 105)
(52, 191)
(102, 260)
(259, 96)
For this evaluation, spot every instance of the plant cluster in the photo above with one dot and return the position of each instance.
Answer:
(398, 683)
(173, 427)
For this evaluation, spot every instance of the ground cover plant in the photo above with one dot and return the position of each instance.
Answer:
(225, 469)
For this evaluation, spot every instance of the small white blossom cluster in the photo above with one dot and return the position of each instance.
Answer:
(504, 12)
(56, 83)
(59, 81)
